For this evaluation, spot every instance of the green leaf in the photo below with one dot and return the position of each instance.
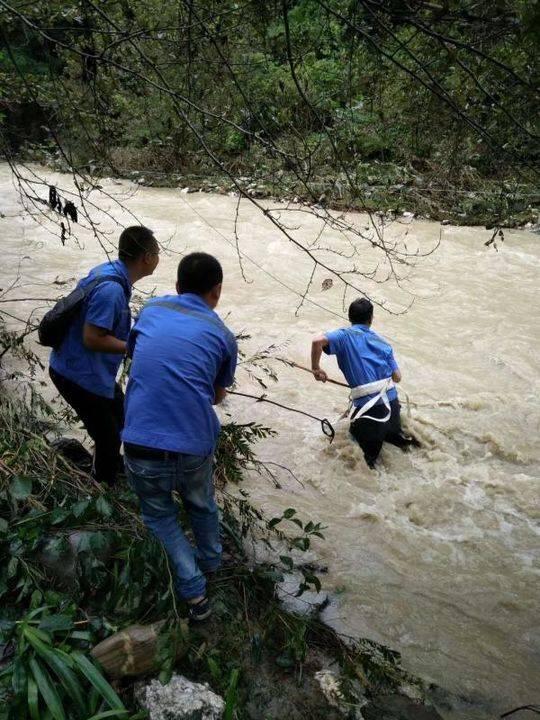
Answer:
(58, 515)
(231, 699)
(33, 699)
(289, 512)
(286, 560)
(80, 508)
(214, 668)
(20, 487)
(94, 699)
(109, 714)
(273, 522)
(96, 679)
(18, 677)
(313, 580)
(12, 567)
(60, 663)
(103, 507)
(6, 627)
(41, 634)
(56, 623)
(98, 543)
(47, 690)
(36, 599)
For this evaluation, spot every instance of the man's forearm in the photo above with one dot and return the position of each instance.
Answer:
(316, 352)
(219, 394)
(106, 344)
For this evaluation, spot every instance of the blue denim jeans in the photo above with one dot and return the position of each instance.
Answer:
(191, 475)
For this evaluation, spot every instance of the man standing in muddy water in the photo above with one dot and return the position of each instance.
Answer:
(368, 364)
(183, 359)
(84, 366)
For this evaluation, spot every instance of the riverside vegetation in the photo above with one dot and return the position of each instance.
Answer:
(425, 107)
(77, 565)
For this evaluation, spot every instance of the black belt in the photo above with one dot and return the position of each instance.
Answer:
(147, 453)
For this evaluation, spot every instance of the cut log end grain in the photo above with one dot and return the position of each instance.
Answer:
(134, 650)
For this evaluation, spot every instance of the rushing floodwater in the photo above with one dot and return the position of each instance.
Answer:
(435, 554)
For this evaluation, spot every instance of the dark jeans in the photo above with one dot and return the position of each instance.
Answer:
(154, 481)
(370, 434)
(103, 419)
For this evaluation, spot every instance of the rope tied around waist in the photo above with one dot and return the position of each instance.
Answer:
(380, 387)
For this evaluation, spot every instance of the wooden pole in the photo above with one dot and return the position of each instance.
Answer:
(306, 369)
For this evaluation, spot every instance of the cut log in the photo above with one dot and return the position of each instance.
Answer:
(134, 650)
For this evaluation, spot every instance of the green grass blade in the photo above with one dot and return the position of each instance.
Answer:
(59, 663)
(48, 691)
(94, 676)
(94, 699)
(33, 699)
(231, 698)
(109, 714)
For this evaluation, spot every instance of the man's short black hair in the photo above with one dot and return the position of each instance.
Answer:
(360, 311)
(198, 273)
(136, 241)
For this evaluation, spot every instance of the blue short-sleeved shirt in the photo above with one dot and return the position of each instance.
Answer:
(362, 356)
(107, 307)
(180, 349)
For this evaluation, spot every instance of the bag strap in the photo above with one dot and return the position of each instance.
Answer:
(87, 289)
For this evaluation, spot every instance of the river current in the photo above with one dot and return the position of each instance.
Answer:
(434, 554)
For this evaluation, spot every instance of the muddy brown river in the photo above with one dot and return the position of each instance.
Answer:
(435, 554)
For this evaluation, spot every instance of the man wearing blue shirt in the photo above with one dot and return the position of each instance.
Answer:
(183, 359)
(368, 364)
(84, 366)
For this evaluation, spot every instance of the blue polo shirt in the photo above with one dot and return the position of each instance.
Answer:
(107, 307)
(363, 357)
(180, 349)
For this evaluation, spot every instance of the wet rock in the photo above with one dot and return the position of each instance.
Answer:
(411, 691)
(59, 554)
(180, 699)
(308, 604)
(330, 684)
(398, 707)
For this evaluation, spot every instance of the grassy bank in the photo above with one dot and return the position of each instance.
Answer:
(77, 566)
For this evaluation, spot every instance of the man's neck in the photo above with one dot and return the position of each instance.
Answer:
(204, 298)
(134, 274)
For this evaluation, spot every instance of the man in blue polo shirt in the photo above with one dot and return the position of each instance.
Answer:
(183, 359)
(368, 364)
(84, 367)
